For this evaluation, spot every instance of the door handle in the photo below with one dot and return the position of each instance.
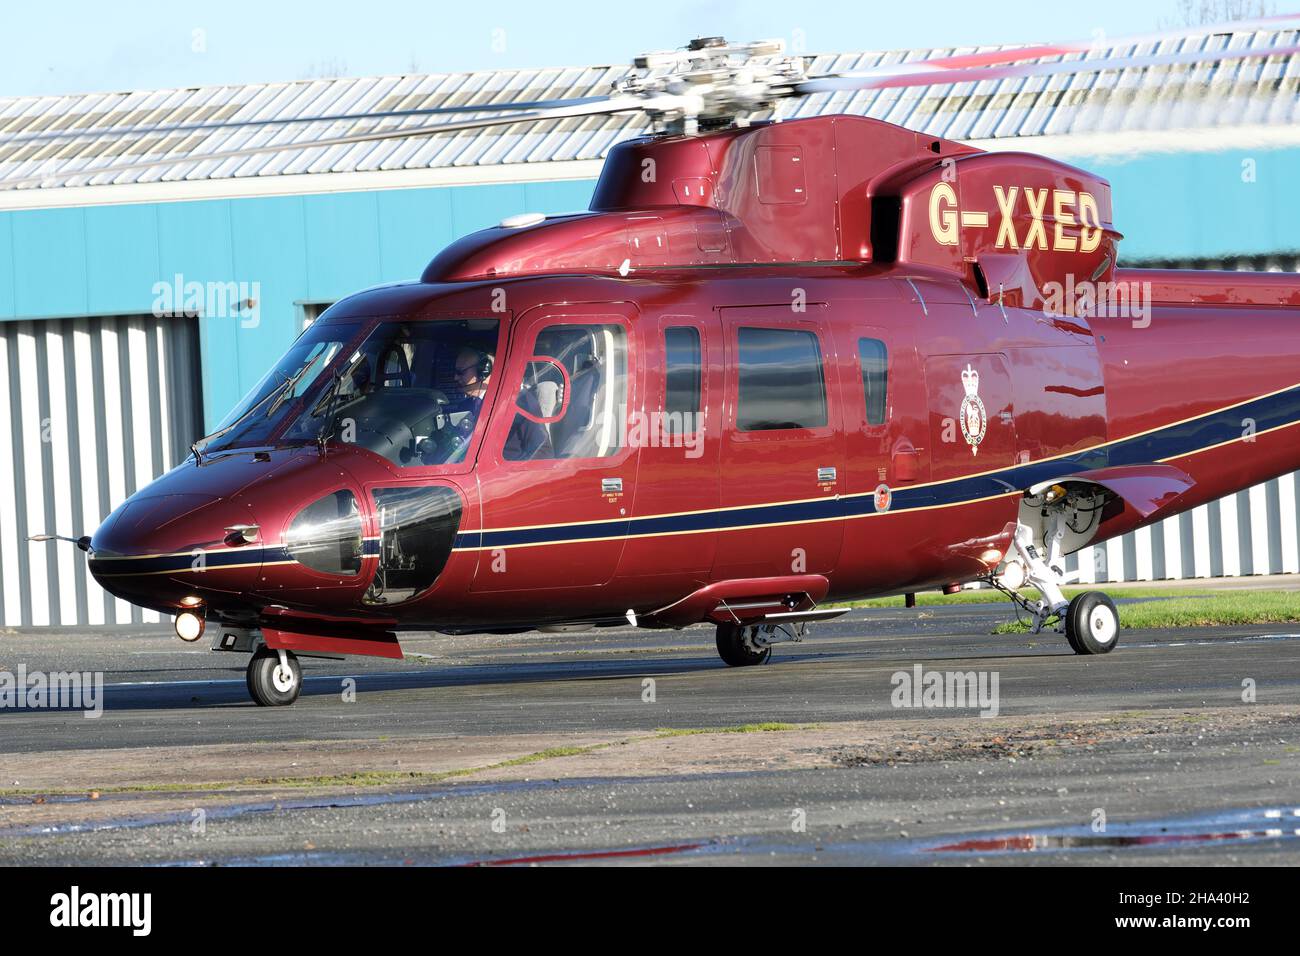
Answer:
(826, 474)
(609, 486)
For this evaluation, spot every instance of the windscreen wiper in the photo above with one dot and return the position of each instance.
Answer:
(201, 444)
(287, 388)
(329, 399)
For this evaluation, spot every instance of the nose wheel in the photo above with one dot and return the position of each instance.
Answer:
(274, 678)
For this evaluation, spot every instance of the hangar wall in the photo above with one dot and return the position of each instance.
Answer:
(97, 407)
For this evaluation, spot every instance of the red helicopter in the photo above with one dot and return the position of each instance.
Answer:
(776, 364)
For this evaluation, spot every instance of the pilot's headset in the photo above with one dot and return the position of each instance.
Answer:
(484, 365)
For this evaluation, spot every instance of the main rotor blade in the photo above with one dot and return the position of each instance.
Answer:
(922, 77)
(101, 132)
(964, 61)
(623, 104)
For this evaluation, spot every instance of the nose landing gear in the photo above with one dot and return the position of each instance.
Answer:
(274, 677)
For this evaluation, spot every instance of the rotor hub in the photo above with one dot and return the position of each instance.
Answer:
(712, 82)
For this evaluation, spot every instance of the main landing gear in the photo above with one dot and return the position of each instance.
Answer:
(274, 677)
(743, 645)
(1090, 621)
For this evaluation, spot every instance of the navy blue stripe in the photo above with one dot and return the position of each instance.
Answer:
(185, 562)
(212, 559)
(1171, 442)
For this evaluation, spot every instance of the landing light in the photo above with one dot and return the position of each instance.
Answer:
(1013, 576)
(189, 626)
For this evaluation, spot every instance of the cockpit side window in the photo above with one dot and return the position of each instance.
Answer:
(411, 391)
(572, 402)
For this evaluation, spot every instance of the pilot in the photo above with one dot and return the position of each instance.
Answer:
(472, 371)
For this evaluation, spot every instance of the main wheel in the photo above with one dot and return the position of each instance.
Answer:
(1092, 623)
(737, 648)
(271, 683)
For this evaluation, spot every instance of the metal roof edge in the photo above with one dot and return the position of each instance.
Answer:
(249, 187)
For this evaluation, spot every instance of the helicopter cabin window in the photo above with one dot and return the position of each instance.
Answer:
(572, 402)
(782, 385)
(874, 358)
(682, 378)
(326, 535)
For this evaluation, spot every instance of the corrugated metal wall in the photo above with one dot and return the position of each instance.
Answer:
(1252, 532)
(98, 407)
(1134, 100)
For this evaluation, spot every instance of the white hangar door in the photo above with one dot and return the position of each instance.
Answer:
(93, 409)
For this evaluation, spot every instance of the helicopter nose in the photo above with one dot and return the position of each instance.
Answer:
(168, 551)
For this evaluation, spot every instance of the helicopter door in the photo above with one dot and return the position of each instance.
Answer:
(557, 474)
(678, 436)
(782, 456)
(886, 433)
(885, 423)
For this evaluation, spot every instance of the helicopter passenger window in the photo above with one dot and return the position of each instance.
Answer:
(682, 370)
(875, 377)
(781, 381)
(572, 402)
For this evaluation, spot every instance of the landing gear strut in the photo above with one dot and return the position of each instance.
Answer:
(274, 677)
(1090, 621)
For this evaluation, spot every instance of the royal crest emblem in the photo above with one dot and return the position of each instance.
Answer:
(974, 420)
